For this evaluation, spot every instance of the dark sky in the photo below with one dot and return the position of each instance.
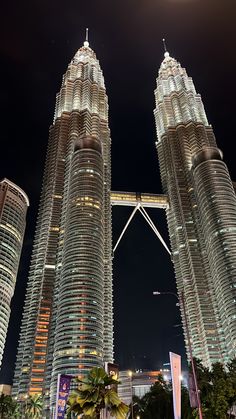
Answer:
(38, 39)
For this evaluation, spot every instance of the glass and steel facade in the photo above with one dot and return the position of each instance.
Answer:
(13, 208)
(67, 322)
(131, 199)
(201, 215)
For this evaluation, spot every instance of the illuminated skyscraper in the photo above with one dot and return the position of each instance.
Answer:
(67, 323)
(13, 208)
(201, 216)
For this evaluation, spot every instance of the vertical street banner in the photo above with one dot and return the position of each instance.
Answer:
(192, 391)
(175, 363)
(63, 390)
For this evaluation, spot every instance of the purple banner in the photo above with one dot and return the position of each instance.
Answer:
(63, 390)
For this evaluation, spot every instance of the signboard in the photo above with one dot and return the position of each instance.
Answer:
(175, 364)
(112, 370)
(63, 390)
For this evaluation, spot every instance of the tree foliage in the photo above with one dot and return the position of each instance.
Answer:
(217, 392)
(34, 407)
(7, 407)
(217, 389)
(95, 393)
(158, 402)
(30, 408)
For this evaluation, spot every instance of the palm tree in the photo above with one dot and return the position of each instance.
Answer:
(96, 392)
(7, 407)
(34, 407)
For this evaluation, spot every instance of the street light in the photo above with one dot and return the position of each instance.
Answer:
(181, 300)
(130, 374)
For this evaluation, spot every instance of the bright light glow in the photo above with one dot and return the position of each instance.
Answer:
(50, 266)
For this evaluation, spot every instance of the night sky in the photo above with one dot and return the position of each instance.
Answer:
(38, 39)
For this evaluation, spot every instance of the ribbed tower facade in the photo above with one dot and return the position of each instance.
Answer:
(13, 208)
(201, 216)
(67, 323)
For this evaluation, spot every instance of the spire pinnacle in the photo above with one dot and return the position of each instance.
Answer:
(166, 54)
(86, 42)
(164, 44)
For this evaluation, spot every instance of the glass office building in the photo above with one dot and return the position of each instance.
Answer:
(67, 324)
(201, 215)
(13, 208)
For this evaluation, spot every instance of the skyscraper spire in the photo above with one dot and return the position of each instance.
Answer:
(164, 44)
(86, 42)
(166, 54)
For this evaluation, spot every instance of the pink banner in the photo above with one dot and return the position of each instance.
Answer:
(175, 363)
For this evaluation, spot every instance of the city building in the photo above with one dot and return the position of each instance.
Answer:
(137, 383)
(234, 185)
(67, 324)
(125, 389)
(13, 208)
(201, 215)
(142, 381)
(5, 389)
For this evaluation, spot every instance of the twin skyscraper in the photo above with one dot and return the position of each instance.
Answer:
(67, 324)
